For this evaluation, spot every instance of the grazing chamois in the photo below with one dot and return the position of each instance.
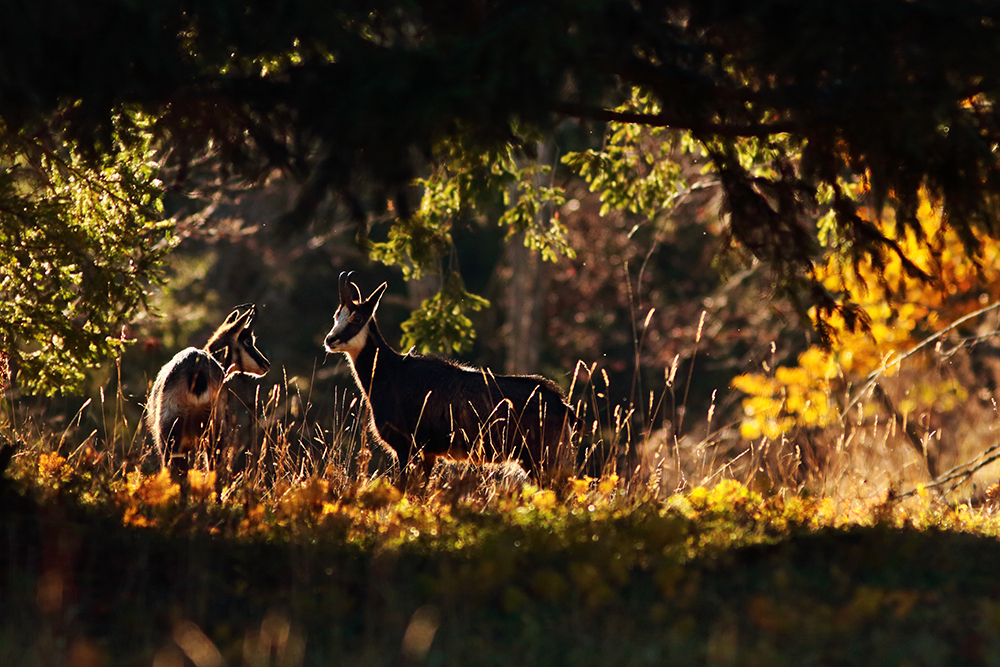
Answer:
(424, 407)
(188, 399)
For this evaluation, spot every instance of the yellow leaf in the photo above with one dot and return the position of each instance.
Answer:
(607, 484)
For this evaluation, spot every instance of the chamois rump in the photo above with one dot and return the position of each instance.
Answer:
(188, 399)
(425, 407)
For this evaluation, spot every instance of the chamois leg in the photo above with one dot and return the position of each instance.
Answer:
(179, 465)
(423, 464)
(427, 462)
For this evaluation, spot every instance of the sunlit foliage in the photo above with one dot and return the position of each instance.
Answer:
(80, 244)
(630, 525)
(442, 322)
(600, 562)
(638, 168)
(502, 187)
(364, 101)
(901, 310)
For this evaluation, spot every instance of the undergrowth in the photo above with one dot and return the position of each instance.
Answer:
(307, 554)
(665, 547)
(375, 515)
(112, 570)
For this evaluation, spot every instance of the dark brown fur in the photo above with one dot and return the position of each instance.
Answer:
(430, 407)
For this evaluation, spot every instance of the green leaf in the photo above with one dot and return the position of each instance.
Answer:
(441, 324)
(80, 243)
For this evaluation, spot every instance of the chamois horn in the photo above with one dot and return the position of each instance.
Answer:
(345, 288)
(344, 296)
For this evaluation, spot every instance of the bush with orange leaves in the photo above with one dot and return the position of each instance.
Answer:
(901, 312)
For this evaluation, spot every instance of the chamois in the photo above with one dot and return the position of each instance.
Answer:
(424, 407)
(188, 398)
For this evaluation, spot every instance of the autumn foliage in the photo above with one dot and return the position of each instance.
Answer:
(909, 326)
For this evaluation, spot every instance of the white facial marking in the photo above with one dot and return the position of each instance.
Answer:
(341, 320)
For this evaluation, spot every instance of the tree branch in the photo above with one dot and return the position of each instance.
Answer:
(661, 120)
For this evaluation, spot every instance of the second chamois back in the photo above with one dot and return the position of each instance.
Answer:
(188, 399)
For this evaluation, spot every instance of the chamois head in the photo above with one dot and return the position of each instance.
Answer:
(350, 322)
(235, 346)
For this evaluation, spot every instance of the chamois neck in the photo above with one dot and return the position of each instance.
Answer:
(375, 355)
(221, 353)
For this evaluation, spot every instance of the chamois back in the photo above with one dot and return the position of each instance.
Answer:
(186, 400)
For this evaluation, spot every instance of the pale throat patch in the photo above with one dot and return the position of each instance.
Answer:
(354, 346)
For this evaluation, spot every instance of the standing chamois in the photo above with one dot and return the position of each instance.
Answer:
(188, 399)
(425, 407)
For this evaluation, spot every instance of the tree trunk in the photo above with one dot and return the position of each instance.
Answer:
(525, 301)
(527, 288)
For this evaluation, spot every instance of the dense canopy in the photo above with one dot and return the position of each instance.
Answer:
(805, 112)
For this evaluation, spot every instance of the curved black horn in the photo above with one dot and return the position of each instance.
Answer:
(342, 288)
(353, 290)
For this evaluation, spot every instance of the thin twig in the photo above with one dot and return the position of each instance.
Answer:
(874, 375)
(958, 471)
(909, 430)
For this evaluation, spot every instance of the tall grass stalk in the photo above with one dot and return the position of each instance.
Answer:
(649, 441)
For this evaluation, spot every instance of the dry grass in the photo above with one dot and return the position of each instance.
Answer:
(306, 555)
(283, 435)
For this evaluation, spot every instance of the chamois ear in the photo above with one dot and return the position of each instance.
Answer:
(376, 296)
(241, 322)
(239, 315)
(231, 318)
(248, 317)
(238, 320)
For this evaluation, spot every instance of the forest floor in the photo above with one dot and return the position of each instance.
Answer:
(128, 572)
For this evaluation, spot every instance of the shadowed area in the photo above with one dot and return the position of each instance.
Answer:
(609, 591)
